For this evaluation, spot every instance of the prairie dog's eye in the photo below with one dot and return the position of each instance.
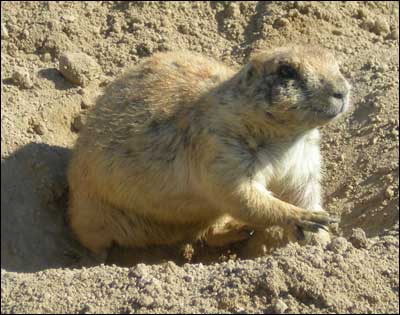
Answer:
(287, 72)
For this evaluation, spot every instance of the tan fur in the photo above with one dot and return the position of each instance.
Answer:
(180, 141)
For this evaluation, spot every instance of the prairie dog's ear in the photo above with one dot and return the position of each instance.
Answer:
(264, 63)
(250, 72)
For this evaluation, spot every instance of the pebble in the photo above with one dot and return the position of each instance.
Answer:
(184, 29)
(86, 103)
(368, 24)
(281, 22)
(232, 10)
(389, 193)
(87, 309)
(381, 27)
(358, 238)
(77, 123)
(362, 13)
(338, 245)
(337, 32)
(302, 6)
(68, 18)
(146, 301)
(21, 78)
(322, 239)
(4, 31)
(46, 57)
(279, 306)
(394, 34)
(78, 68)
(144, 49)
(39, 128)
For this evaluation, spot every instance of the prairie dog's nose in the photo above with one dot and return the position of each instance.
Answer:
(338, 95)
(340, 89)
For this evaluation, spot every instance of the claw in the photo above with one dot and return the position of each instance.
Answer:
(313, 226)
(299, 234)
(334, 220)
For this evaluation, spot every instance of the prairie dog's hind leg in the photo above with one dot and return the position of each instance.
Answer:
(226, 232)
(87, 219)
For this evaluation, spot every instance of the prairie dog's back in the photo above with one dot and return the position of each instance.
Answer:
(163, 87)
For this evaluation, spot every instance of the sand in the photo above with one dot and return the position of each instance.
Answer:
(57, 57)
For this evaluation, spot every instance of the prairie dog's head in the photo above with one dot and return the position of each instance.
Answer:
(297, 84)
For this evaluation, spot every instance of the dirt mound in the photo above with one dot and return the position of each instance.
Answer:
(42, 112)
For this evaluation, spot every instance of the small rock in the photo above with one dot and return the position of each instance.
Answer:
(146, 301)
(68, 281)
(184, 29)
(188, 278)
(358, 238)
(389, 193)
(362, 13)
(86, 103)
(279, 306)
(78, 123)
(4, 31)
(302, 6)
(21, 78)
(25, 34)
(232, 10)
(337, 32)
(335, 228)
(78, 68)
(68, 18)
(338, 245)
(46, 57)
(87, 309)
(39, 128)
(144, 49)
(293, 13)
(321, 238)
(105, 81)
(394, 34)
(368, 24)
(381, 27)
(281, 22)
(116, 27)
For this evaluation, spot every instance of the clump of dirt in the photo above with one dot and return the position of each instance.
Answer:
(43, 110)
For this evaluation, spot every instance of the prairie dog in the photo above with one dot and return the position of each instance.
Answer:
(180, 141)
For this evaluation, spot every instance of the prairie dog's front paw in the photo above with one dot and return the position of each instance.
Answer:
(307, 222)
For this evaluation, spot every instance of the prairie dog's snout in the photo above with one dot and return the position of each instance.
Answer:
(338, 97)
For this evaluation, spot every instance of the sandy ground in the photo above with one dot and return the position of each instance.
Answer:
(42, 112)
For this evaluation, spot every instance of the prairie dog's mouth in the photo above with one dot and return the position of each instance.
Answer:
(334, 108)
